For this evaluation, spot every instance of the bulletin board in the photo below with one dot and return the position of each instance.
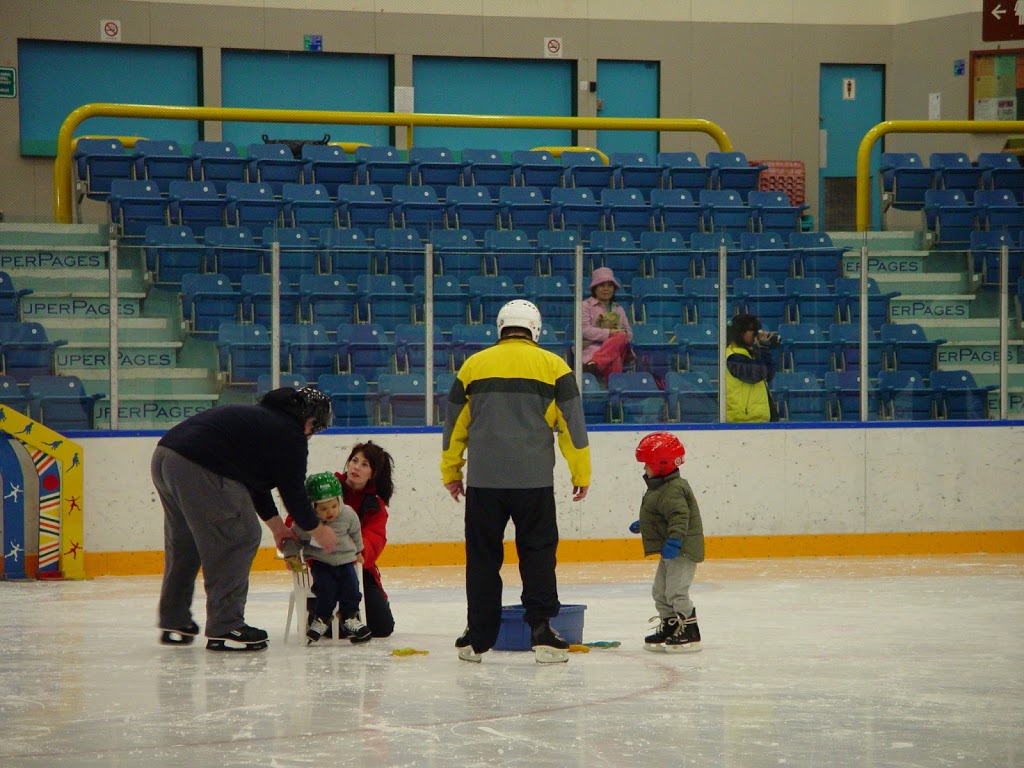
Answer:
(997, 85)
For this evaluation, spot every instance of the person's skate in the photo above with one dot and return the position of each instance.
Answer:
(179, 635)
(549, 647)
(686, 638)
(245, 638)
(666, 628)
(467, 652)
(317, 629)
(353, 628)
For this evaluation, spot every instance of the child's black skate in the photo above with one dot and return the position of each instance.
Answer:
(686, 638)
(549, 647)
(666, 628)
(180, 636)
(353, 628)
(317, 629)
(245, 638)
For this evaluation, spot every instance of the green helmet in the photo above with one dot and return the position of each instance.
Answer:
(323, 486)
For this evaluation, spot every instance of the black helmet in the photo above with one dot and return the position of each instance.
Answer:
(316, 405)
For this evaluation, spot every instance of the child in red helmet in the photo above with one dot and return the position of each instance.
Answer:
(670, 525)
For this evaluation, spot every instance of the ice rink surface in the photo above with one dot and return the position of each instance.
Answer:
(845, 662)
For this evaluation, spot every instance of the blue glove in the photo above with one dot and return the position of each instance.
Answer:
(634, 527)
(671, 549)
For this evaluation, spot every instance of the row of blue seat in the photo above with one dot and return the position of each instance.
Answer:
(953, 217)
(137, 204)
(26, 351)
(904, 179)
(98, 162)
(58, 401)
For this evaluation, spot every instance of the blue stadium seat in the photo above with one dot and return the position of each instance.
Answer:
(329, 165)
(217, 162)
(805, 348)
(817, 256)
(619, 252)
(555, 342)
(537, 169)
(905, 396)
(583, 168)
(698, 347)
(656, 350)
(363, 206)
(810, 300)
(61, 402)
(473, 209)
(706, 246)
(842, 397)
(399, 253)
(134, 206)
(308, 349)
(723, 210)
(953, 170)
(958, 396)
(26, 350)
(451, 301)
(774, 212)
(244, 352)
(383, 166)
(383, 300)
(1005, 172)
(684, 170)
(951, 217)
(575, 209)
(411, 348)
(800, 396)
(634, 170)
(195, 204)
(487, 168)
(457, 254)
(160, 161)
(766, 255)
(298, 252)
(675, 210)
(904, 178)
(760, 296)
(418, 208)
(557, 252)
(844, 338)
(326, 299)
(232, 251)
(10, 299)
(345, 251)
(402, 399)
(657, 300)
(488, 294)
(467, 339)
(636, 398)
(264, 383)
(669, 256)
(364, 349)
(257, 300)
(692, 397)
(595, 400)
(525, 209)
(731, 170)
(905, 347)
(171, 251)
(12, 397)
(308, 205)
(252, 205)
(554, 297)
(442, 386)
(700, 299)
(626, 210)
(207, 300)
(511, 253)
(435, 167)
(351, 402)
(848, 302)
(98, 162)
(274, 165)
(999, 210)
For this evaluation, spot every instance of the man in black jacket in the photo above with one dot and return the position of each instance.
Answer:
(212, 471)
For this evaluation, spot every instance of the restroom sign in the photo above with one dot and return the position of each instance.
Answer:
(849, 89)
(552, 47)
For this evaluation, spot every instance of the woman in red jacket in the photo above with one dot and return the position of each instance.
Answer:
(367, 487)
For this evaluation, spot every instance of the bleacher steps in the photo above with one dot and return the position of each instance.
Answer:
(131, 354)
(128, 329)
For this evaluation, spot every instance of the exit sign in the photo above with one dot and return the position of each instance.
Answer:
(1000, 22)
(8, 83)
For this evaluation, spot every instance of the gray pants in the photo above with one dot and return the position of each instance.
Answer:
(209, 521)
(671, 590)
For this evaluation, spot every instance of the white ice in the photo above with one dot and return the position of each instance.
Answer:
(812, 662)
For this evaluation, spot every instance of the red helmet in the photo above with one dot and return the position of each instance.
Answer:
(662, 451)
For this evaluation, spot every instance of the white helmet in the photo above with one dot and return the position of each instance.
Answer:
(520, 314)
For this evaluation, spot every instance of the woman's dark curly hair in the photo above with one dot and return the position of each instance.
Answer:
(381, 463)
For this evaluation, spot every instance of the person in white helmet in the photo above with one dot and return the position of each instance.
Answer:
(504, 408)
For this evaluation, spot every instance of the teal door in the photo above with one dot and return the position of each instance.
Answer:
(628, 89)
(852, 101)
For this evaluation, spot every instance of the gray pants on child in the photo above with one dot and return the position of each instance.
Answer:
(209, 521)
(671, 590)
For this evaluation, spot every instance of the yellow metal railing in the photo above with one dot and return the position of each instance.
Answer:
(913, 126)
(62, 192)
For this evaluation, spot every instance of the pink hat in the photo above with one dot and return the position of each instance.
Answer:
(603, 275)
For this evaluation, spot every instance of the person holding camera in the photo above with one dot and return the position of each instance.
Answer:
(749, 368)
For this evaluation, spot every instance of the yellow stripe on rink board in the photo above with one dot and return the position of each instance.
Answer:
(610, 550)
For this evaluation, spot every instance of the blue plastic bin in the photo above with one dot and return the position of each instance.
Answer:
(514, 634)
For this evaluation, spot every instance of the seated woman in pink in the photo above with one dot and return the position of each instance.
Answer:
(606, 331)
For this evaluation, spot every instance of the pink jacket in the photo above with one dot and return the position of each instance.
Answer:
(594, 337)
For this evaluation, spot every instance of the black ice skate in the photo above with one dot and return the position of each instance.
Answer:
(317, 629)
(467, 652)
(686, 639)
(666, 628)
(549, 647)
(353, 628)
(180, 636)
(245, 638)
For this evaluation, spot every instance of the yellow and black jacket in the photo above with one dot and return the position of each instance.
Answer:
(504, 405)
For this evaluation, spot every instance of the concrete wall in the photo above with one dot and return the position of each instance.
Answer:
(750, 66)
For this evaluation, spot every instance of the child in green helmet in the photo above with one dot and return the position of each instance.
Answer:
(335, 581)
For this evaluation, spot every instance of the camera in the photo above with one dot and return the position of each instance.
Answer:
(768, 338)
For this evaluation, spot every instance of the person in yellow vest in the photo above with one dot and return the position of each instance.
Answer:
(749, 368)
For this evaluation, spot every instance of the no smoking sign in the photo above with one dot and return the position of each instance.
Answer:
(110, 31)
(552, 47)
